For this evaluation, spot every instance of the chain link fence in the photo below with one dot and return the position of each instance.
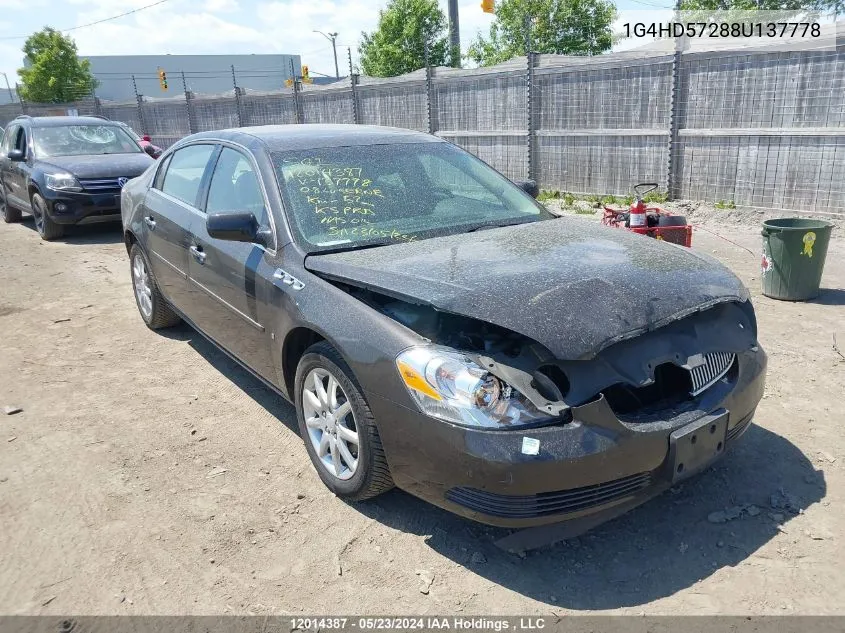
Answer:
(752, 127)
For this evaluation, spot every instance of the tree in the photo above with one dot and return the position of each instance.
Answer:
(55, 73)
(567, 27)
(397, 46)
(789, 6)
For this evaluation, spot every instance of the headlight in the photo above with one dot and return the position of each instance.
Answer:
(62, 182)
(447, 385)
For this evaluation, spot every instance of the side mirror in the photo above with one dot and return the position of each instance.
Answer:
(528, 186)
(235, 226)
(16, 156)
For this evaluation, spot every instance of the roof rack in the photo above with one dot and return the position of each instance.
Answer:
(98, 116)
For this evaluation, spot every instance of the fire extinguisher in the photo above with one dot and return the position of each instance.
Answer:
(637, 216)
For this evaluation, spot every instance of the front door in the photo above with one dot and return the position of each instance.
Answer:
(230, 282)
(170, 208)
(15, 173)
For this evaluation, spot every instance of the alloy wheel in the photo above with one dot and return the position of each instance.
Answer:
(38, 216)
(143, 291)
(331, 423)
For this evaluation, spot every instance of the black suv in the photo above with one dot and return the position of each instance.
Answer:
(66, 170)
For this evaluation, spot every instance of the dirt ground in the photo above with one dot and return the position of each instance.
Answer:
(147, 474)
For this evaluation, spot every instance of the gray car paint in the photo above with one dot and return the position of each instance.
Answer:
(427, 457)
(539, 279)
(569, 284)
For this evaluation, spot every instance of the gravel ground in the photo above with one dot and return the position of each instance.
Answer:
(147, 474)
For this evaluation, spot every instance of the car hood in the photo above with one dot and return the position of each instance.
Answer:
(100, 165)
(570, 284)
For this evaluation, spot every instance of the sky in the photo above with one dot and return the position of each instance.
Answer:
(221, 26)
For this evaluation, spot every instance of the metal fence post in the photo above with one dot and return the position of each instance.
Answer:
(189, 107)
(431, 110)
(530, 90)
(672, 175)
(237, 97)
(677, 101)
(353, 80)
(140, 101)
(297, 113)
(97, 109)
(531, 95)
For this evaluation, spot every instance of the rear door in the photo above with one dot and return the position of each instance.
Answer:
(169, 210)
(230, 282)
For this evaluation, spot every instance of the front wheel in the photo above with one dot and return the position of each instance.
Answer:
(47, 229)
(337, 426)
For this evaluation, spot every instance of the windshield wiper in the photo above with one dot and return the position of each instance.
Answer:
(494, 226)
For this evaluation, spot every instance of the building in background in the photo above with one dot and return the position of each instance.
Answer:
(204, 74)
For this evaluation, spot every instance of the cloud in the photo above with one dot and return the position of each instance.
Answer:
(222, 6)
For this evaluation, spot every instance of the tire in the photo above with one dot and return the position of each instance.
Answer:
(371, 475)
(154, 309)
(9, 214)
(672, 220)
(47, 229)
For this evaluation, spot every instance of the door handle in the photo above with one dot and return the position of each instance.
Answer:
(150, 222)
(198, 254)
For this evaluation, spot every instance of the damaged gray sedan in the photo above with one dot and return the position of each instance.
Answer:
(440, 331)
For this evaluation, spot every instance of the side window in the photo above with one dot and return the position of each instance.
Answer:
(446, 176)
(235, 187)
(184, 173)
(8, 139)
(162, 170)
(20, 140)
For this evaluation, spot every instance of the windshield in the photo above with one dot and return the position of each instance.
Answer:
(82, 140)
(349, 197)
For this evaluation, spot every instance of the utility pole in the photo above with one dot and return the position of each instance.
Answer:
(9, 88)
(454, 34)
(332, 37)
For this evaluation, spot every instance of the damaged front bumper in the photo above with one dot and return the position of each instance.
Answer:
(591, 468)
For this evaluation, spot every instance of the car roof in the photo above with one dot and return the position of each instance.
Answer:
(57, 121)
(316, 136)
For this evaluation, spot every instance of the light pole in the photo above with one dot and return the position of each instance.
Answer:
(332, 37)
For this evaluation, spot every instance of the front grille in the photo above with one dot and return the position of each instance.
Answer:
(101, 185)
(548, 503)
(712, 369)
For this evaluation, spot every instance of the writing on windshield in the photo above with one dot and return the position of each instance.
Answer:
(394, 192)
(344, 199)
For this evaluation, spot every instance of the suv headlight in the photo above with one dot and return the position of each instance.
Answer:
(447, 385)
(62, 182)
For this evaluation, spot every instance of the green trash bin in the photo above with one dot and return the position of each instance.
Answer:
(794, 250)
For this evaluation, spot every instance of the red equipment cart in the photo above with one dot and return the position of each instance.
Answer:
(651, 221)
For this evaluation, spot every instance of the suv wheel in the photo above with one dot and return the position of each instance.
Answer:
(154, 309)
(337, 426)
(47, 229)
(9, 214)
